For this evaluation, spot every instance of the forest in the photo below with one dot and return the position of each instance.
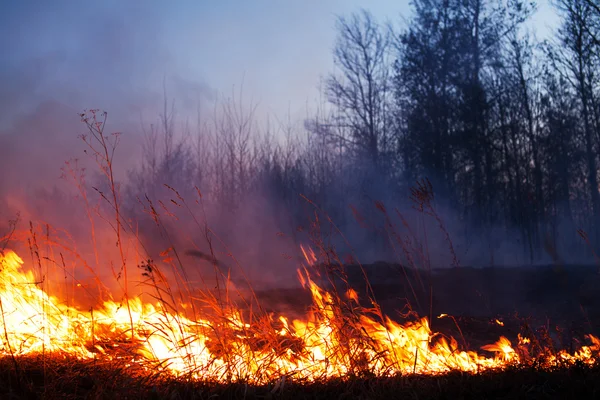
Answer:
(462, 100)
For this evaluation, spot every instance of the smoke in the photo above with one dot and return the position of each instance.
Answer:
(60, 59)
(63, 59)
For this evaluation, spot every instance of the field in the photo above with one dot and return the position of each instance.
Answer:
(482, 303)
(68, 379)
(563, 299)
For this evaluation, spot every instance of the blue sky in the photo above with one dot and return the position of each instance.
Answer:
(113, 54)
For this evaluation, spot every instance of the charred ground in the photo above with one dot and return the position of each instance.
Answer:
(480, 303)
(58, 378)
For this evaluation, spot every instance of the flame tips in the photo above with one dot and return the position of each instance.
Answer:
(332, 341)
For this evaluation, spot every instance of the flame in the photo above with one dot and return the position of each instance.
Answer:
(330, 342)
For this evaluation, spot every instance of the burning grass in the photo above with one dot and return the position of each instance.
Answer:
(338, 339)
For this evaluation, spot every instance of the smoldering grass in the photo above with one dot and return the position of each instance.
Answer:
(68, 378)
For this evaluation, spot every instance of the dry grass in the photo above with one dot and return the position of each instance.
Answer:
(63, 378)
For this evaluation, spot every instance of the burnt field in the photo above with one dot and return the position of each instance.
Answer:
(53, 378)
(480, 303)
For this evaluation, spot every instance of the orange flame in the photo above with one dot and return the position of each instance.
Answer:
(326, 344)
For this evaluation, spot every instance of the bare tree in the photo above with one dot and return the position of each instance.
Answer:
(575, 57)
(235, 131)
(361, 93)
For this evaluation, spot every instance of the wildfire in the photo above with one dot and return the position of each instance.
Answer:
(332, 341)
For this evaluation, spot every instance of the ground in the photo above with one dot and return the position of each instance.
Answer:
(565, 300)
(54, 378)
(558, 305)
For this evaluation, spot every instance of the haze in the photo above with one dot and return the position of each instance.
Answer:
(114, 55)
(60, 57)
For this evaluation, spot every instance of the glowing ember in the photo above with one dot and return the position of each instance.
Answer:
(328, 343)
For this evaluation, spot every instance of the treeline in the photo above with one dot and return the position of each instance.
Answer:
(505, 126)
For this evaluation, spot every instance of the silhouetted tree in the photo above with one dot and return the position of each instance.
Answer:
(361, 91)
(575, 59)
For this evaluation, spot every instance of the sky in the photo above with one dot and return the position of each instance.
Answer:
(115, 55)
(62, 56)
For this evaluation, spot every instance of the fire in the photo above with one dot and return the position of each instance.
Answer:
(333, 340)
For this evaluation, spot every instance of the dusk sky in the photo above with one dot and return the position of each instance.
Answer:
(113, 54)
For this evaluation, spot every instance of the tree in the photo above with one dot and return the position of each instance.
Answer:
(575, 58)
(448, 59)
(361, 93)
(425, 90)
